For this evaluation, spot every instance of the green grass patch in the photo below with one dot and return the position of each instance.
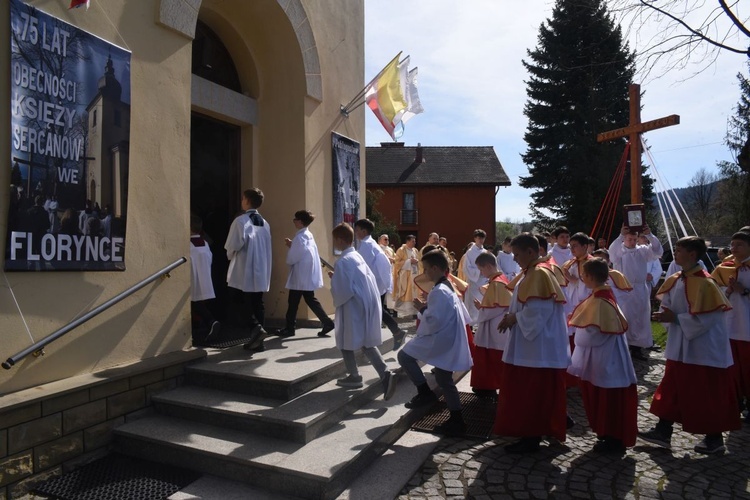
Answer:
(660, 334)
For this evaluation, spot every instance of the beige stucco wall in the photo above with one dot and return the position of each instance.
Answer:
(287, 154)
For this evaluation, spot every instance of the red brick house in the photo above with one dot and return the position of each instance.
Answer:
(449, 190)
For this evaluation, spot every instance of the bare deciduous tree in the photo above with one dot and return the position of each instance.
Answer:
(673, 34)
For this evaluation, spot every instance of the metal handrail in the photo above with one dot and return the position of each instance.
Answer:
(37, 349)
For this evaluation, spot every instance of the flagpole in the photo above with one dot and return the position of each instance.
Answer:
(345, 110)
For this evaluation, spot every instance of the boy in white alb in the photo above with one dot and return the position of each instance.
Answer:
(489, 344)
(532, 398)
(473, 276)
(734, 276)
(560, 251)
(507, 265)
(305, 275)
(698, 388)
(441, 342)
(201, 285)
(248, 249)
(358, 311)
(602, 363)
(632, 260)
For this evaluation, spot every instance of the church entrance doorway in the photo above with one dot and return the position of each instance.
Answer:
(214, 192)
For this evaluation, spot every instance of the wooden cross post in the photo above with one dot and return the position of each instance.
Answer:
(633, 131)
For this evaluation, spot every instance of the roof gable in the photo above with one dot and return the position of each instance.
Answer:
(395, 164)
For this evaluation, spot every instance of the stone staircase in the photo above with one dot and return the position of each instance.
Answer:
(275, 420)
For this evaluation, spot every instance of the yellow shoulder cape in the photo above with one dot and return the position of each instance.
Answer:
(703, 294)
(728, 269)
(600, 310)
(496, 293)
(620, 281)
(550, 264)
(540, 282)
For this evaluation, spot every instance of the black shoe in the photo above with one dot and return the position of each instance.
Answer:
(256, 338)
(259, 348)
(637, 353)
(569, 422)
(656, 437)
(485, 393)
(421, 400)
(285, 333)
(398, 339)
(710, 445)
(389, 385)
(327, 328)
(453, 427)
(609, 445)
(524, 445)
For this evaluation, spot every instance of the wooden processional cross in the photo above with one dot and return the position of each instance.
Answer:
(633, 131)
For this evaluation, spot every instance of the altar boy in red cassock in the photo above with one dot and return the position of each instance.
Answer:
(733, 275)
(531, 403)
(601, 360)
(698, 388)
(488, 342)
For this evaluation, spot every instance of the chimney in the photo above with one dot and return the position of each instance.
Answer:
(419, 158)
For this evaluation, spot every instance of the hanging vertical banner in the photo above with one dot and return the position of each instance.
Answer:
(345, 179)
(70, 132)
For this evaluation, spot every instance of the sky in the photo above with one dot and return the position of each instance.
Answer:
(472, 87)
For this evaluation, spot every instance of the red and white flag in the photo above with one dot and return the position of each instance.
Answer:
(74, 4)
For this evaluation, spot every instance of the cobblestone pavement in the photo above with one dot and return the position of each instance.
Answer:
(461, 468)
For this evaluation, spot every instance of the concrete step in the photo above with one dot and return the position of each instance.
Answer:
(301, 419)
(319, 469)
(287, 369)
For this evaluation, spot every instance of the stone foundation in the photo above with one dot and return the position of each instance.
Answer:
(50, 430)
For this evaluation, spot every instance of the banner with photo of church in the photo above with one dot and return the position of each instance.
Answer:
(70, 133)
(345, 179)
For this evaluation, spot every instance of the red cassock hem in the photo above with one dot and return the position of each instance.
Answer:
(611, 412)
(702, 398)
(741, 366)
(487, 370)
(532, 402)
(470, 338)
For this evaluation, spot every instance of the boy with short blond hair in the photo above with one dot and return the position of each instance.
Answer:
(358, 312)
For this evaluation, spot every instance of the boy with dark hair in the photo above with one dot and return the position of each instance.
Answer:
(472, 275)
(248, 249)
(202, 287)
(602, 363)
(734, 276)
(537, 353)
(441, 342)
(488, 342)
(378, 263)
(698, 388)
(560, 251)
(355, 295)
(507, 265)
(305, 275)
(576, 291)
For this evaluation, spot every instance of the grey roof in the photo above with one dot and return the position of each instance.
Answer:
(395, 164)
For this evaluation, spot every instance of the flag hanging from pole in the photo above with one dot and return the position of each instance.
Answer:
(385, 96)
(74, 4)
(392, 95)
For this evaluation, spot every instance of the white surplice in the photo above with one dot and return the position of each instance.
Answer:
(303, 259)
(248, 249)
(355, 295)
(377, 261)
(475, 280)
(201, 286)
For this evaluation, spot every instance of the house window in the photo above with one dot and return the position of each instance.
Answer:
(93, 119)
(409, 213)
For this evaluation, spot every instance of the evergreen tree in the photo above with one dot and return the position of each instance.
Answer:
(578, 87)
(734, 193)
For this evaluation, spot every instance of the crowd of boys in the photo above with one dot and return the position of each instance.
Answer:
(529, 322)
